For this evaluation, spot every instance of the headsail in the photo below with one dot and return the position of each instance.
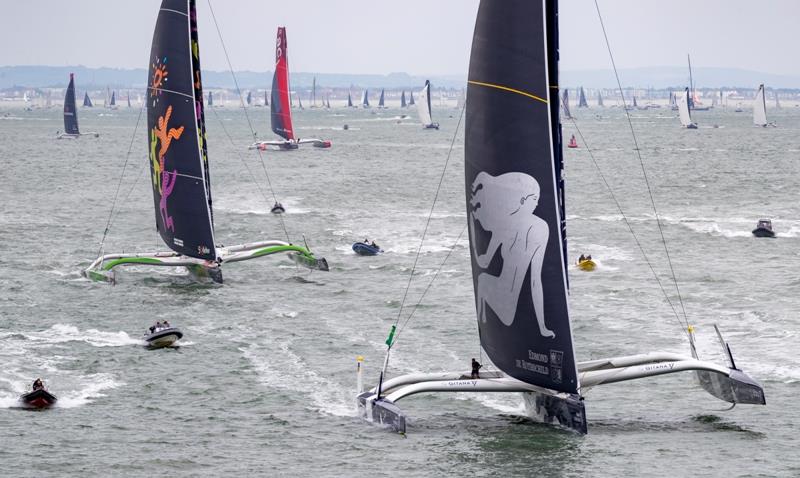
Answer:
(424, 105)
(515, 194)
(760, 108)
(86, 100)
(582, 100)
(70, 109)
(281, 108)
(176, 126)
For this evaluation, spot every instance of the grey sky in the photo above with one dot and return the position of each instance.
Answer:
(415, 36)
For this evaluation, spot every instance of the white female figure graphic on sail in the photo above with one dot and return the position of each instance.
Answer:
(504, 206)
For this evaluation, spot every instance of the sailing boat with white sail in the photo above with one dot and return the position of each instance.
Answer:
(760, 109)
(516, 219)
(179, 163)
(424, 107)
(280, 106)
(71, 130)
(683, 111)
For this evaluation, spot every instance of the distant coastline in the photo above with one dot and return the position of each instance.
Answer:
(673, 78)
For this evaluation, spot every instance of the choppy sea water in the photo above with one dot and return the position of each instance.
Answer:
(264, 381)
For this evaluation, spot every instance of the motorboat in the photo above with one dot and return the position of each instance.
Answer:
(366, 249)
(586, 264)
(163, 337)
(764, 229)
(38, 398)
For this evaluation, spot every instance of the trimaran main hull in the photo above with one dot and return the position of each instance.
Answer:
(558, 408)
(102, 269)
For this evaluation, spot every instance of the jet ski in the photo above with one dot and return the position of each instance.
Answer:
(39, 398)
(163, 337)
(364, 249)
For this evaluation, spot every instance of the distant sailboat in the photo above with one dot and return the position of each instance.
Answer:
(381, 103)
(128, 97)
(300, 102)
(516, 219)
(565, 104)
(179, 163)
(350, 100)
(280, 107)
(210, 99)
(777, 100)
(411, 98)
(599, 99)
(249, 98)
(314, 92)
(365, 98)
(582, 99)
(403, 99)
(760, 108)
(328, 101)
(266, 99)
(113, 103)
(71, 130)
(424, 107)
(87, 102)
(683, 111)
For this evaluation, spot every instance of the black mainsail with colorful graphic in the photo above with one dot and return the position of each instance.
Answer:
(179, 163)
(71, 130)
(515, 214)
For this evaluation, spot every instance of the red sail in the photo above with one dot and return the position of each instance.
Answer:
(280, 106)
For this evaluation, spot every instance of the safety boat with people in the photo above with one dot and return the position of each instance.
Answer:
(764, 228)
(367, 248)
(38, 397)
(162, 334)
(586, 263)
(278, 208)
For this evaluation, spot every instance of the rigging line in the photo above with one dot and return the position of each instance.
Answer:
(435, 274)
(250, 171)
(247, 116)
(627, 223)
(430, 215)
(121, 177)
(641, 163)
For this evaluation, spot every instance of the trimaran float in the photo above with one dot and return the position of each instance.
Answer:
(281, 107)
(515, 206)
(71, 130)
(179, 163)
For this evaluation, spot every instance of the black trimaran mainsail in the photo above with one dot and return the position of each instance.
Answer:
(515, 195)
(515, 213)
(179, 161)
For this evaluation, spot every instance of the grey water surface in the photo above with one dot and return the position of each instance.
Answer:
(264, 380)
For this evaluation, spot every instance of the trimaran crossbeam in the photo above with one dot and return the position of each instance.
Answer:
(564, 409)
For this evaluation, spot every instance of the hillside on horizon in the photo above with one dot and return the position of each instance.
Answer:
(646, 77)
